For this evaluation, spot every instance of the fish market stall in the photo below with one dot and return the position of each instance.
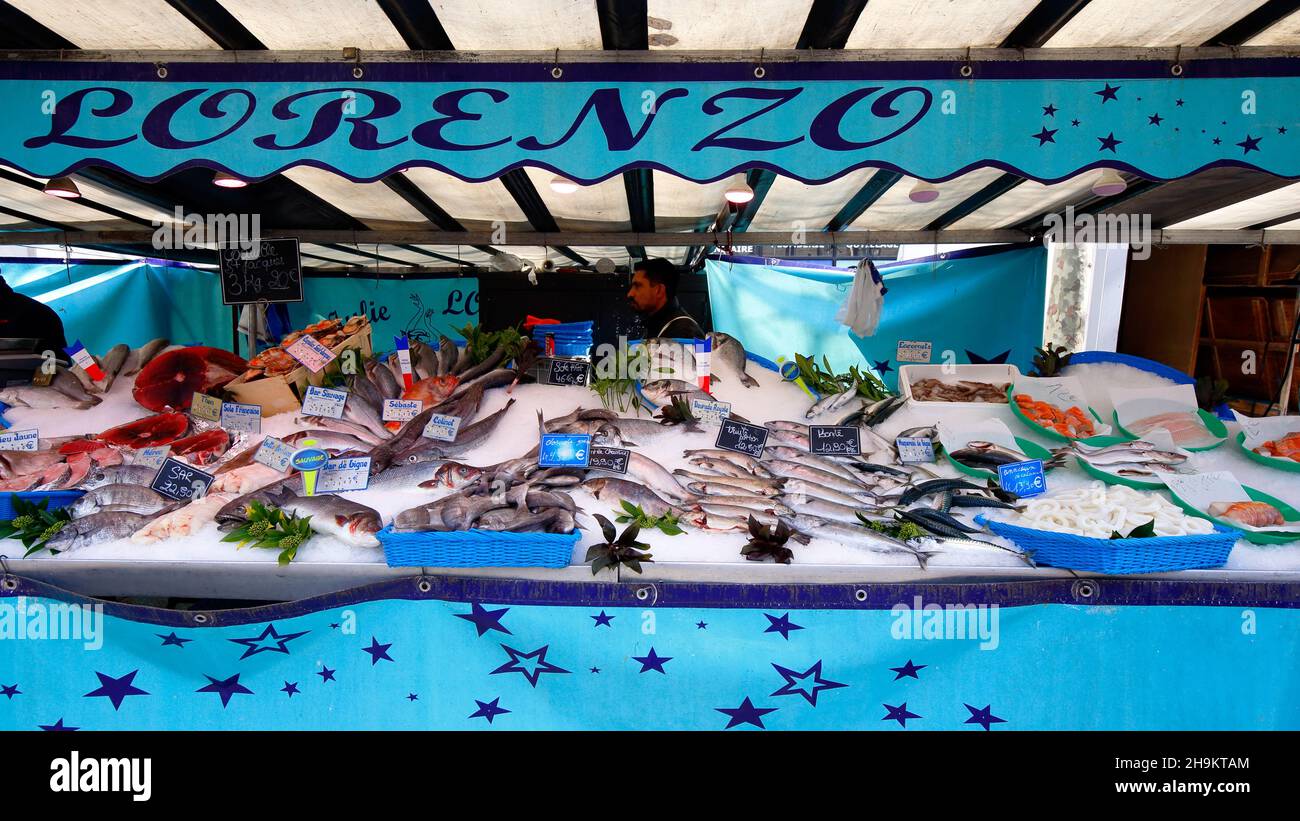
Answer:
(428, 496)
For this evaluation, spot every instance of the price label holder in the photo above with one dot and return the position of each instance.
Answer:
(1023, 478)
(179, 481)
(206, 407)
(564, 450)
(326, 402)
(834, 440)
(20, 440)
(742, 437)
(567, 372)
(401, 410)
(442, 428)
(613, 460)
(339, 475)
(243, 418)
(274, 453)
(710, 412)
(912, 350)
(310, 354)
(914, 450)
(152, 457)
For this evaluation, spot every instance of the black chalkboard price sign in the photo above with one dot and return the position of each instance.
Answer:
(179, 481)
(742, 437)
(834, 440)
(274, 275)
(567, 372)
(611, 459)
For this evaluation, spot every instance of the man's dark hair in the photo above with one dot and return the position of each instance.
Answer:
(660, 270)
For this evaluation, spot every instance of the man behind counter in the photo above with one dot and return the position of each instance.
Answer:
(654, 295)
(22, 317)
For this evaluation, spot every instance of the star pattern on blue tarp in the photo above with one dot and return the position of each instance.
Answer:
(377, 651)
(1281, 129)
(1249, 144)
(1108, 93)
(701, 625)
(908, 669)
(269, 642)
(746, 713)
(173, 640)
(1050, 110)
(532, 672)
(1217, 141)
(781, 625)
(412, 697)
(1075, 123)
(653, 661)
(1045, 135)
(226, 688)
(10, 690)
(488, 709)
(881, 366)
(595, 669)
(484, 619)
(1000, 359)
(1155, 119)
(1109, 142)
(983, 717)
(116, 689)
(819, 683)
(1179, 102)
(326, 674)
(602, 619)
(900, 713)
(290, 688)
(58, 727)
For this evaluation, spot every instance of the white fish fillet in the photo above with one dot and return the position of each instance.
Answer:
(184, 521)
(246, 479)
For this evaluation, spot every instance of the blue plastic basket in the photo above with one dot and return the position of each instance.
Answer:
(1118, 557)
(56, 499)
(477, 548)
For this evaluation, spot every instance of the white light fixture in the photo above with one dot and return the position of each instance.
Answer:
(560, 185)
(604, 265)
(1109, 183)
(62, 187)
(739, 193)
(923, 192)
(224, 180)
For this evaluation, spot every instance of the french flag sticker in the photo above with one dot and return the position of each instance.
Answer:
(82, 357)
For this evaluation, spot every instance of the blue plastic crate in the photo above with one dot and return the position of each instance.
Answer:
(477, 548)
(1117, 557)
(56, 499)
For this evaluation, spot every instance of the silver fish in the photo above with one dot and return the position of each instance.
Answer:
(825, 463)
(349, 522)
(808, 473)
(722, 467)
(861, 537)
(826, 509)
(106, 526)
(740, 461)
(831, 401)
(729, 351)
(752, 484)
(447, 355)
(662, 391)
(721, 509)
(40, 398)
(802, 488)
(65, 383)
(717, 486)
(389, 387)
(615, 490)
(787, 425)
(360, 432)
(118, 475)
(129, 497)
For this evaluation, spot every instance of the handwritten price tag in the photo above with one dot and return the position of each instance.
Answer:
(324, 402)
(313, 355)
(206, 407)
(402, 410)
(339, 475)
(246, 418)
(20, 440)
(742, 438)
(274, 453)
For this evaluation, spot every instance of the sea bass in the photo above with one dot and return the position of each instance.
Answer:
(349, 522)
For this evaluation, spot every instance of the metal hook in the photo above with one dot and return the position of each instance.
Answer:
(759, 71)
(1177, 69)
(967, 69)
(556, 71)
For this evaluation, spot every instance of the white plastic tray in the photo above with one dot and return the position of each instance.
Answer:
(952, 374)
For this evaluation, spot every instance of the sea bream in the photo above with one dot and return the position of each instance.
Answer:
(124, 497)
(729, 351)
(96, 528)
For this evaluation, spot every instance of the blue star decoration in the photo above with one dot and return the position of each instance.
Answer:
(326, 674)
(1155, 119)
(900, 713)
(1050, 110)
(291, 688)
(653, 662)
(269, 642)
(1281, 129)
(983, 717)
(882, 366)
(10, 690)
(226, 688)
(412, 697)
(782, 625)
(484, 619)
(334, 625)
(1109, 142)
(746, 713)
(1075, 123)
(602, 619)
(1217, 141)
(173, 640)
(1249, 144)
(1000, 359)
(701, 625)
(819, 683)
(377, 651)
(58, 727)
(1108, 93)
(1045, 135)
(530, 670)
(908, 669)
(595, 669)
(1178, 103)
(488, 709)
(116, 689)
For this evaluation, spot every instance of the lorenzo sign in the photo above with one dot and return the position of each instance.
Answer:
(813, 121)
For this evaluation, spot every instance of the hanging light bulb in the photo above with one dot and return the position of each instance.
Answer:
(923, 192)
(739, 193)
(224, 180)
(560, 185)
(62, 187)
(1109, 183)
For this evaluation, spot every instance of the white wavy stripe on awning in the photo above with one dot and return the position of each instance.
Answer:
(681, 203)
(927, 24)
(1026, 200)
(792, 205)
(726, 24)
(532, 25)
(1285, 32)
(602, 206)
(66, 212)
(1249, 212)
(374, 203)
(1151, 23)
(102, 196)
(895, 211)
(475, 205)
(317, 25)
(117, 24)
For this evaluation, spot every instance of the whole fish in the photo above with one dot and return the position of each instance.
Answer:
(493, 359)
(831, 401)
(106, 526)
(583, 414)
(719, 487)
(986, 455)
(668, 358)
(844, 398)
(616, 490)
(129, 497)
(802, 488)
(143, 355)
(655, 476)
(386, 452)
(41, 398)
(729, 351)
(464, 406)
(723, 468)
(861, 537)
(360, 383)
(235, 512)
(15, 463)
(349, 522)
(408, 474)
(383, 379)
(1118, 455)
(65, 383)
(748, 465)
(452, 475)
(447, 354)
(831, 511)
(463, 359)
(808, 473)
(774, 508)
(787, 425)
(789, 438)
(743, 459)
(827, 464)
(112, 364)
(521, 521)
(491, 379)
(764, 487)
(662, 391)
(118, 474)
(935, 486)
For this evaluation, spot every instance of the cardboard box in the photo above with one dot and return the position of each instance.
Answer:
(283, 393)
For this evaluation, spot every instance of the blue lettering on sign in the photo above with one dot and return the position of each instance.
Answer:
(1023, 478)
(564, 450)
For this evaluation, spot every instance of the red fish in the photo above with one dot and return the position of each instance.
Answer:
(162, 429)
(171, 380)
(202, 448)
(431, 391)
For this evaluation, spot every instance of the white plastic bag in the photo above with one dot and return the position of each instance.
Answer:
(861, 310)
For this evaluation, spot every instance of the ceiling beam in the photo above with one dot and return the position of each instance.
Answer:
(18, 30)
(1090, 204)
(640, 186)
(37, 185)
(1269, 223)
(356, 250)
(1039, 25)
(211, 18)
(625, 26)
(1254, 23)
(418, 24)
(829, 23)
(880, 182)
(12, 236)
(976, 201)
(404, 187)
(525, 195)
